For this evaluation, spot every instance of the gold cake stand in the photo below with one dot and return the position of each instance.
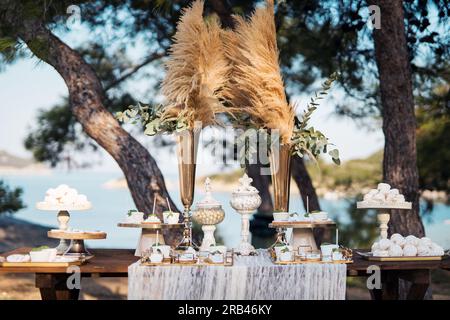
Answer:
(150, 234)
(77, 246)
(63, 218)
(302, 231)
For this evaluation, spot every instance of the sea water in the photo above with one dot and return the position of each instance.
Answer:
(111, 205)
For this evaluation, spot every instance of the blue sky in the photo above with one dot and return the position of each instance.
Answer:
(30, 85)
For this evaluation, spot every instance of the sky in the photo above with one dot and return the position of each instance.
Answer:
(29, 85)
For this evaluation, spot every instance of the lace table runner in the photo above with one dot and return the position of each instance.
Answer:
(250, 278)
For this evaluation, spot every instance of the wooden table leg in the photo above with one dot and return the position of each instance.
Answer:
(389, 287)
(420, 282)
(54, 287)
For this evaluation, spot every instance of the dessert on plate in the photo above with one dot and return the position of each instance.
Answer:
(384, 195)
(152, 219)
(64, 196)
(134, 216)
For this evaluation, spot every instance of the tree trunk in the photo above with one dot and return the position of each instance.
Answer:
(306, 189)
(399, 122)
(86, 97)
(304, 184)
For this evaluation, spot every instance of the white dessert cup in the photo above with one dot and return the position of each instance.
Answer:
(280, 216)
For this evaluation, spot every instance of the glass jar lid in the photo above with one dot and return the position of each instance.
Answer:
(245, 186)
(208, 202)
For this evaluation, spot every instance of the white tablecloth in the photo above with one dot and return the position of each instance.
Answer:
(250, 278)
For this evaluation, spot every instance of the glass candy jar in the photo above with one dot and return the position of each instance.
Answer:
(245, 200)
(208, 213)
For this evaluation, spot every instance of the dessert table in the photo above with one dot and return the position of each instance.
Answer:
(116, 263)
(250, 278)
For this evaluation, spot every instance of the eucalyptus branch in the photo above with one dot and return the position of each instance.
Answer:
(308, 141)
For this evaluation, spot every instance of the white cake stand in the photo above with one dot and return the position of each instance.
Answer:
(383, 215)
(63, 218)
(302, 231)
(149, 234)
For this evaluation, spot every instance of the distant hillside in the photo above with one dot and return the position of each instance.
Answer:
(350, 175)
(11, 161)
(10, 164)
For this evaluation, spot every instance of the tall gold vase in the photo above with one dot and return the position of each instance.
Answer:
(280, 167)
(187, 145)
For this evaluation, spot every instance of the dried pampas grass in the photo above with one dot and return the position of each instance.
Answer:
(197, 69)
(256, 87)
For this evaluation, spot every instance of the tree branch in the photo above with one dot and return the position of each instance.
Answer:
(86, 97)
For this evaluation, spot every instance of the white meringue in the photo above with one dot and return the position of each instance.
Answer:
(400, 198)
(398, 239)
(409, 250)
(394, 192)
(383, 187)
(18, 258)
(381, 253)
(395, 250)
(379, 197)
(423, 251)
(384, 244)
(412, 240)
(437, 250)
(63, 195)
(375, 247)
(425, 242)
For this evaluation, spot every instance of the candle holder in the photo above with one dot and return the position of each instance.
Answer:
(187, 143)
(208, 213)
(245, 200)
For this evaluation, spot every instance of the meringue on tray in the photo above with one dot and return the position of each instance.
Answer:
(410, 246)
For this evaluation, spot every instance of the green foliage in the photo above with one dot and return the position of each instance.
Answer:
(55, 131)
(362, 230)
(351, 176)
(10, 199)
(307, 140)
(39, 248)
(154, 119)
(433, 139)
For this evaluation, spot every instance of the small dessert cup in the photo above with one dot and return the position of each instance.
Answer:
(170, 217)
(286, 255)
(327, 251)
(280, 216)
(156, 257)
(337, 255)
(319, 216)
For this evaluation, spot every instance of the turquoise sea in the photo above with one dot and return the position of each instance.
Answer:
(111, 205)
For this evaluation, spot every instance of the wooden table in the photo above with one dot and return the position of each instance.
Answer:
(416, 272)
(52, 281)
(114, 263)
